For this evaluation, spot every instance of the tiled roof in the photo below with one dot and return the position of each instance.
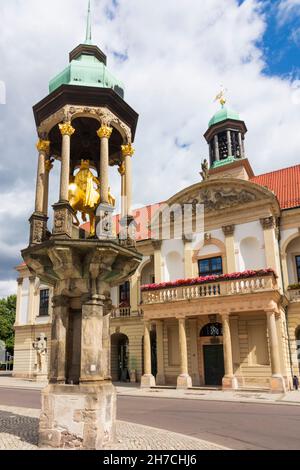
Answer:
(284, 183)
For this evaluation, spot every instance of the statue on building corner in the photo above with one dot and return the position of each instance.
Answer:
(205, 170)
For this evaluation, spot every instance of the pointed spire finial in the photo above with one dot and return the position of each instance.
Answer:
(88, 38)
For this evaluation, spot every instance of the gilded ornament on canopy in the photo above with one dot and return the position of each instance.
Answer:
(127, 150)
(66, 129)
(43, 145)
(105, 132)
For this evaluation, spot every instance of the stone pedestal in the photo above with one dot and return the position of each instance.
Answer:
(230, 383)
(63, 220)
(277, 384)
(147, 381)
(40, 378)
(78, 416)
(38, 228)
(184, 381)
(104, 222)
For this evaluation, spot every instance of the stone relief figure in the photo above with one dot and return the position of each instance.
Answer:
(40, 347)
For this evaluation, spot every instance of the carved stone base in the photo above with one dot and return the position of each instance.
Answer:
(38, 228)
(184, 382)
(63, 220)
(147, 381)
(277, 384)
(78, 417)
(104, 222)
(230, 383)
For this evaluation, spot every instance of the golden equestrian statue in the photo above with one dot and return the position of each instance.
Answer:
(84, 195)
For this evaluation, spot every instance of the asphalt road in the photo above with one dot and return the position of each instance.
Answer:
(235, 425)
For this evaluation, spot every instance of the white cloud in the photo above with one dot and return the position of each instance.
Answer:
(179, 53)
(7, 288)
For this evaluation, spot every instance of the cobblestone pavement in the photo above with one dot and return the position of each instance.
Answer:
(19, 431)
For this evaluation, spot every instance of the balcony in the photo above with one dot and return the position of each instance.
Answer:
(212, 287)
(126, 312)
(294, 294)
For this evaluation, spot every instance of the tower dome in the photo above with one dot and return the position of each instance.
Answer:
(222, 115)
(87, 67)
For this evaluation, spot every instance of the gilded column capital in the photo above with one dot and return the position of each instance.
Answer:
(48, 165)
(66, 129)
(104, 132)
(43, 145)
(127, 150)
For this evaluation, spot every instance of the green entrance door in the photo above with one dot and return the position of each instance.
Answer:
(213, 364)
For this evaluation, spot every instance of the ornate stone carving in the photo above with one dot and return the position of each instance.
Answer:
(127, 149)
(205, 170)
(268, 222)
(105, 132)
(38, 225)
(221, 199)
(43, 146)
(228, 230)
(62, 219)
(66, 129)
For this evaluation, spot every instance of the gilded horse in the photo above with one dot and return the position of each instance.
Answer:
(84, 194)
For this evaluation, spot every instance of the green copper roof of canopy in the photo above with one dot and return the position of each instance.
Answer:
(87, 67)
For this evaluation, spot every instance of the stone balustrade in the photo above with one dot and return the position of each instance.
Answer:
(294, 295)
(211, 289)
(126, 312)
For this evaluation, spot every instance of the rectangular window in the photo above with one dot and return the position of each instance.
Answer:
(124, 294)
(210, 267)
(298, 267)
(44, 303)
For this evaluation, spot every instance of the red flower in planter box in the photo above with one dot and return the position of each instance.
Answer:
(208, 279)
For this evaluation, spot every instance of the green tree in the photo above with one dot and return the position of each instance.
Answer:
(7, 320)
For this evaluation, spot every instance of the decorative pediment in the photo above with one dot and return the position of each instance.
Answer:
(218, 199)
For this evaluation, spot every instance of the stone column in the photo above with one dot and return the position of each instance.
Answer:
(128, 152)
(67, 131)
(194, 333)
(228, 231)
(48, 168)
(216, 145)
(157, 261)
(147, 380)
(276, 382)
(104, 134)
(19, 300)
(59, 340)
(43, 147)
(229, 144)
(160, 378)
(229, 380)
(188, 258)
(184, 381)
(134, 291)
(123, 189)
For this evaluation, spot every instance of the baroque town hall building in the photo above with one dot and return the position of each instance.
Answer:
(224, 312)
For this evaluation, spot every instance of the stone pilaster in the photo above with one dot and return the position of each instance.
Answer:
(147, 380)
(19, 299)
(194, 333)
(184, 381)
(270, 228)
(228, 231)
(157, 261)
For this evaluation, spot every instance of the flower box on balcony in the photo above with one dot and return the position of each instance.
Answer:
(209, 279)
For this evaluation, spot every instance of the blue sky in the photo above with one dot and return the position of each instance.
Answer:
(172, 57)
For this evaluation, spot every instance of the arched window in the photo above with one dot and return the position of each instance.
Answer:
(212, 330)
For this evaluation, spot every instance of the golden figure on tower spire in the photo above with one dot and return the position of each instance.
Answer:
(221, 97)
